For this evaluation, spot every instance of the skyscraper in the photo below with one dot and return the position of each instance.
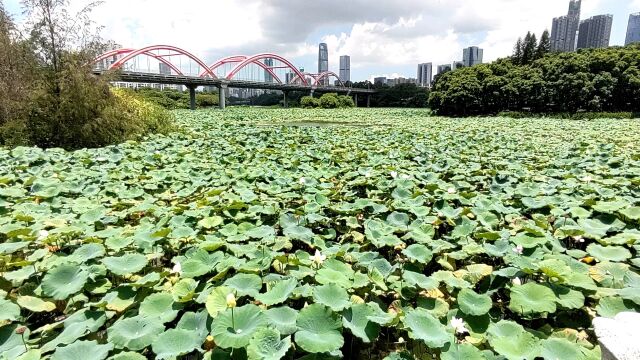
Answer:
(472, 56)
(444, 68)
(267, 75)
(595, 32)
(565, 28)
(323, 61)
(633, 31)
(457, 65)
(345, 68)
(425, 74)
(164, 69)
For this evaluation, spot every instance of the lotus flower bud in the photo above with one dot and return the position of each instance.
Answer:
(231, 301)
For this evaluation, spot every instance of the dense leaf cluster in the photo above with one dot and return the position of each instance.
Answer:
(248, 237)
(587, 80)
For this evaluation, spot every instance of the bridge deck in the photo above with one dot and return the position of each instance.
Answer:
(194, 81)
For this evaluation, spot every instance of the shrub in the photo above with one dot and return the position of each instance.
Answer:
(346, 101)
(309, 102)
(329, 101)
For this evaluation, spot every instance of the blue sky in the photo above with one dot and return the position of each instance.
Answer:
(383, 37)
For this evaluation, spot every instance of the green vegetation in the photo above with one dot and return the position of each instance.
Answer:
(594, 80)
(327, 101)
(48, 95)
(382, 233)
(173, 99)
(399, 96)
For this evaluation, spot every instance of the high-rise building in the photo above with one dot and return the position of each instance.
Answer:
(444, 68)
(380, 80)
(323, 61)
(164, 69)
(633, 31)
(267, 75)
(565, 28)
(457, 65)
(289, 77)
(345, 68)
(595, 32)
(472, 56)
(425, 74)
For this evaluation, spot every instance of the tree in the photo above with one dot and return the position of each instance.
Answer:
(517, 52)
(544, 47)
(529, 49)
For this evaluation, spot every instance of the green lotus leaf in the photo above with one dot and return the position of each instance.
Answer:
(379, 316)
(245, 284)
(329, 276)
(283, 318)
(128, 356)
(135, 333)
(318, 330)
(511, 341)
(561, 349)
(217, 300)
(267, 345)
(34, 304)
(609, 307)
(528, 241)
(87, 252)
(211, 222)
(609, 253)
(160, 306)
(357, 320)
(396, 355)
(474, 304)
(125, 264)
(594, 228)
(8, 310)
(461, 352)
(234, 329)
(279, 293)
(420, 280)
(568, 298)
(175, 342)
(32, 354)
(63, 281)
(398, 220)
(80, 349)
(632, 213)
(423, 326)
(11, 247)
(532, 298)
(120, 299)
(196, 323)
(184, 290)
(419, 253)
(333, 296)
(194, 268)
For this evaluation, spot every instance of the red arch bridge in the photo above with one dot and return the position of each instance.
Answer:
(165, 64)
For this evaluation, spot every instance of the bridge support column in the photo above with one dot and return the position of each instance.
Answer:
(222, 96)
(355, 99)
(286, 99)
(368, 100)
(192, 96)
(312, 91)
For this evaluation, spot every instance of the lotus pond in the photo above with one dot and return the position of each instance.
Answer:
(250, 235)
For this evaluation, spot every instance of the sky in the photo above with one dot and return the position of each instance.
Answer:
(383, 37)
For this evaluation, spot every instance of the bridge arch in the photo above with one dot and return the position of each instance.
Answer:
(327, 75)
(239, 59)
(144, 51)
(128, 51)
(255, 59)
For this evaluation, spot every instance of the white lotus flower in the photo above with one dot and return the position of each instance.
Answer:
(451, 191)
(587, 179)
(578, 239)
(516, 281)
(518, 250)
(231, 301)
(302, 181)
(318, 258)
(43, 234)
(458, 325)
(405, 177)
(394, 174)
(177, 269)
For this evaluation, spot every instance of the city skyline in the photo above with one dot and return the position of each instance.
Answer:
(382, 38)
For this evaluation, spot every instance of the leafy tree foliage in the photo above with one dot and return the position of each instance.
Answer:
(50, 97)
(399, 96)
(587, 80)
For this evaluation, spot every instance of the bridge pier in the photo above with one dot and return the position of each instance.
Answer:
(355, 100)
(192, 96)
(368, 100)
(311, 93)
(286, 100)
(222, 96)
